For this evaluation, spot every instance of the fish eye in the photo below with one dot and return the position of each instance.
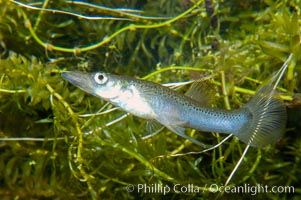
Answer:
(100, 78)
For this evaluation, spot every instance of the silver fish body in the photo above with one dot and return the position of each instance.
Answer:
(177, 111)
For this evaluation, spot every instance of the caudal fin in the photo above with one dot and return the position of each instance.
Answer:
(268, 120)
(268, 113)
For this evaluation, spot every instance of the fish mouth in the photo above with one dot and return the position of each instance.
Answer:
(81, 80)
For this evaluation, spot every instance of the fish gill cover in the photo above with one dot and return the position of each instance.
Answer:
(54, 147)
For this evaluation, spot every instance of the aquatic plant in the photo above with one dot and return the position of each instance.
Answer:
(54, 146)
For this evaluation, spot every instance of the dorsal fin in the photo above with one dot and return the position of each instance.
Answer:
(202, 91)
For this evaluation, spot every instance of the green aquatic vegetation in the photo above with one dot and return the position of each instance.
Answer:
(51, 148)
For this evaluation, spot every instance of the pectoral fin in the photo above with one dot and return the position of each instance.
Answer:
(153, 128)
(181, 132)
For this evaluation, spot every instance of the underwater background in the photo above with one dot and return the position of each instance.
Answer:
(52, 144)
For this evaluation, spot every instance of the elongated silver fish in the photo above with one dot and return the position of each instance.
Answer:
(258, 123)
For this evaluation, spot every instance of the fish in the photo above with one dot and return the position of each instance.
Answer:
(259, 122)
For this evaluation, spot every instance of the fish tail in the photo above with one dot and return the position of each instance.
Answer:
(268, 118)
(267, 113)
